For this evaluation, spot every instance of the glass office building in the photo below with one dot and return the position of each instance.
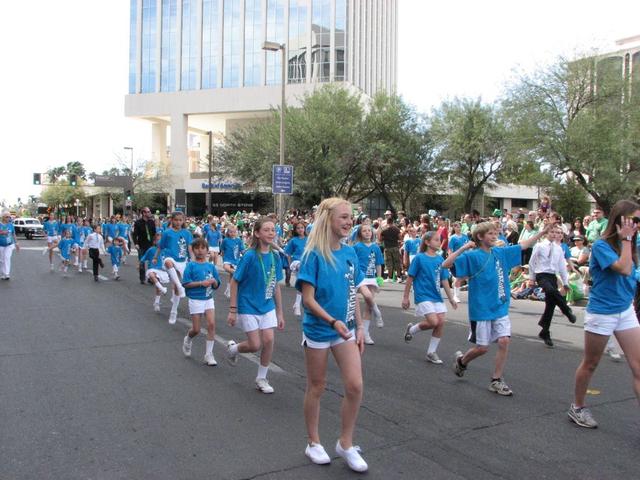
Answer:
(198, 65)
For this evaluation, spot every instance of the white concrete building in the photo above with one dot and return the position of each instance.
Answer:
(197, 66)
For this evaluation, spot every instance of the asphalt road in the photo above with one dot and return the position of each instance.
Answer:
(93, 385)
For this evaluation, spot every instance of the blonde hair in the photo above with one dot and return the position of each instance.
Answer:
(481, 229)
(320, 236)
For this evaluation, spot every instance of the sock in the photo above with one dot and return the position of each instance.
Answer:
(210, 346)
(233, 349)
(262, 371)
(367, 324)
(157, 300)
(228, 289)
(455, 291)
(173, 275)
(298, 299)
(414, 329)
(115, 270)
(433, 344)
(175, 301)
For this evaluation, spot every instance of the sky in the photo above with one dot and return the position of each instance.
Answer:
(65, 68)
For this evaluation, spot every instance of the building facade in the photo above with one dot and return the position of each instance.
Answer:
(198, 66)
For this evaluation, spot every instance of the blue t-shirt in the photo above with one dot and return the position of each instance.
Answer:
(147, 258)
(51, 227)
(214, 237)
(65, 247)
(231, 249)
(457, 241)
(295, 247)
(116, 254)
(198, 272)
(110, 230)
(611, 292)
(175, 244)
(427, 273)
(8, 238)
(488, 272)
(82, 233)
(123, 230)
(369, 257)
(68, 227)
(335, 291)
(257, 281)
(411, 246)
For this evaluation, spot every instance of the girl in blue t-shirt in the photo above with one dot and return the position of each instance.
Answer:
(456, 241)
(155, 270)
(213, 235)
(66, 247)
(52, 229)
(200, 279)
(411, 246)
(370, 261)
(83, 232)
(231, 248)
(175, 244)
(256, 300)
(116, 250)
(7, 244)
(294, 250)
(427, 277)
(329, 279)
(610, 309)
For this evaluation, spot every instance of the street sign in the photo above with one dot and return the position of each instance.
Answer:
(282, 179)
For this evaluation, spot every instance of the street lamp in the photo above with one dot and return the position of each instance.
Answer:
(274, 47)
(124, 207)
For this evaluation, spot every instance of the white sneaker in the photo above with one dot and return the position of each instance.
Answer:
(80, 269)
(173, 316)
(456, 299)
(163, 290)
(615, 356)
(232, 358)
(433, 358)
(317, 454)
(263, 385)
(368, 340)
(352, 457)
(156, 307)
(297, 311)
(186, 346)
(210, 360)
(377, 315)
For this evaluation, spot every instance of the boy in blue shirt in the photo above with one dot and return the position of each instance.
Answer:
(115, 251)
(487, 268)
(200, 279)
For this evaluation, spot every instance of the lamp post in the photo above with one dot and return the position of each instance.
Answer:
(209, 209)
(274, 47)
(124, 207)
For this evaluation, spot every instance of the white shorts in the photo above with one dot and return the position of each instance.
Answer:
(197, 307)
(295, 266)
(371, 283)
(487, 332)
(232, 265)
(163, 277)
(426, 308)
(248, 322)
(214, 249)
(53, 239)
(179, 266)
(606, 324)
(306, 342)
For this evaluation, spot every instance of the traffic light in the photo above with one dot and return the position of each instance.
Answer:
(127, 194)
(73, 180)
(37, 178)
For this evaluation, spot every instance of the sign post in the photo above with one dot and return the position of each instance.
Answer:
(282, 183)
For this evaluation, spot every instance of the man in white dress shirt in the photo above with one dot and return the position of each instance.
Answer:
(547, 261)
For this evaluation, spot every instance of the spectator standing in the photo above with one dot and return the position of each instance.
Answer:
(390, 237)
(143, 233)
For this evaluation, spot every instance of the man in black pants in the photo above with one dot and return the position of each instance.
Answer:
(144, 229)
(547, 260)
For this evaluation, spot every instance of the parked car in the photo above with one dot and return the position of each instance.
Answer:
(29, 227)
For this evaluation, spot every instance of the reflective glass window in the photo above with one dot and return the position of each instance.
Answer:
(149, 13)
(169, 46)
(211, 29)
(253, 38)
(341, 40)
(232, 44)
(189, 45)
(298, 41)
(275, 33)
(321, 40)
(133, 21)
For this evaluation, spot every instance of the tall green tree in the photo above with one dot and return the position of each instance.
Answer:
(577, 119)
(399, 161)
(470, 145)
